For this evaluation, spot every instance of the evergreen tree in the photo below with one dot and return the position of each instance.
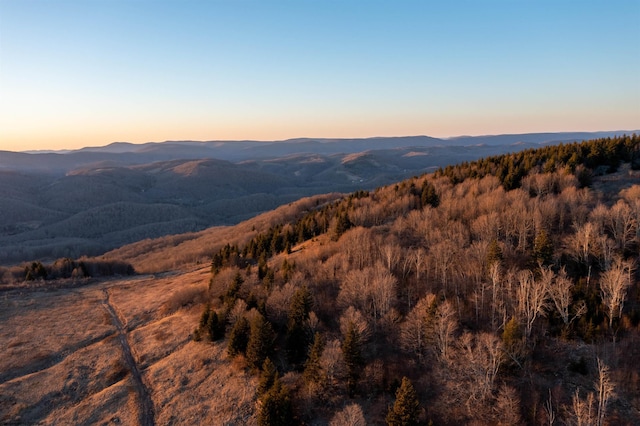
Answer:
(300, 305)
(276, 408)
(216, 264)
(260, 343)
(268, 377)
(429, 195)
(232, 292)
(204, 317)
(239, 337)
(342, 225)
(263, 267)
(297, 334)
(494, 252)
(406, 409)
(287, 270)
(215, 326)
(512, 340)
(543, 248)
(352, 352)
(312, 370)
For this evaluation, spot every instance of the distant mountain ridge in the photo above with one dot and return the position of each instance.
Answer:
(88, 201)
(125, 153)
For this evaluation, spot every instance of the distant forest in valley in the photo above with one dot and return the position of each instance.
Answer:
(89, 201)
(498, 291)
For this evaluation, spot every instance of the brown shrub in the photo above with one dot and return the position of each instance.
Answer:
(183, 297)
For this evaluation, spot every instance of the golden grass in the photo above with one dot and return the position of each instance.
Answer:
(39, 327)
(64, 363)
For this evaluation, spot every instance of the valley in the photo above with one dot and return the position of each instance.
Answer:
(89, 201)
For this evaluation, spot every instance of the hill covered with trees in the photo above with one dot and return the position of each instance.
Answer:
(498, 291)
(89, 201)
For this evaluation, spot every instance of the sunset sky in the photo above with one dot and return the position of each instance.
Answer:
(91, 72)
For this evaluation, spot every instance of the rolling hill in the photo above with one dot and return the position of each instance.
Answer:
(89, 201)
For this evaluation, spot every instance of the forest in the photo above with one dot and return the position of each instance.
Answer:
(500, 291)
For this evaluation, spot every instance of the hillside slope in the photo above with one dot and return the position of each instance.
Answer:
(81, 202)
(494, 297)
(489, 285)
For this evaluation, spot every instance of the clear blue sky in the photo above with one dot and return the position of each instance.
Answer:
(90, 72)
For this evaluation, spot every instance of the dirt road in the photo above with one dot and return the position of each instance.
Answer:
(147, 417)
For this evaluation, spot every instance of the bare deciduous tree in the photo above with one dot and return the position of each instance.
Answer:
(532, 298)
(632, 196)
(419, 257)
(350, 415)
(444, 256)
(613, 288)
(332, 362)
(604, 389)
(482, 357)
(508, 406)
(414, 331)
(390, 253)
(238, 311)
(582, 244)
(621, 223)
(382, 286)
(357, 244)
(313, 322)
(278, 302)
(445, 325)
(353, 316)
(495, 274)
(582, 411)
(372, 290)
(606, 248)
(560, 292)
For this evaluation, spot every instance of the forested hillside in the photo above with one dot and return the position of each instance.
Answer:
(500, 291)
(90, 201)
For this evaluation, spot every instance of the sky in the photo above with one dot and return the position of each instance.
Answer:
(91, 72)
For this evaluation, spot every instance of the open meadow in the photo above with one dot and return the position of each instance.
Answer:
(115, 352)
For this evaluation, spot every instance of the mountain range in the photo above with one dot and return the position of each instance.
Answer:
(91, 200)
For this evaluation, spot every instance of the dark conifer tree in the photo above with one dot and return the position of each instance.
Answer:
(215, 326)
(342, 225)
(297, 333)
(352, 352)
(312, 369)
(204, 317)
(406, 409)
(543, 248)
(268, 377)
(260, 343)
(494, 252)
(233, 289)
(239, 337)
(276, 408)
(429, 195)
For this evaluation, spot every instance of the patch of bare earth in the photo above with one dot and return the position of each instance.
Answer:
(116, 352)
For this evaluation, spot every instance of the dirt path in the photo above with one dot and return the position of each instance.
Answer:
(146, 405)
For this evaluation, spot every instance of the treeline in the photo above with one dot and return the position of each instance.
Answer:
(64, 268)
(584, 159)
(283, 237)
(453, 300)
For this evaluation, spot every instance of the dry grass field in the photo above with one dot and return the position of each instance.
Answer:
(116, 352)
